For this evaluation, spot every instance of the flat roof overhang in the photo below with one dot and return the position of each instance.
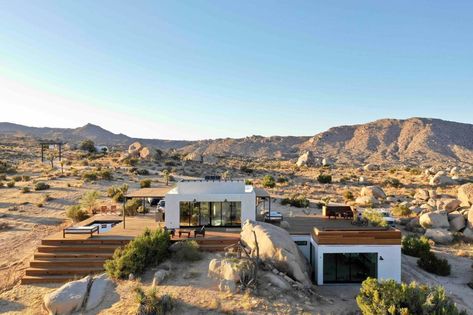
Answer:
(366, 236)
(155, 192)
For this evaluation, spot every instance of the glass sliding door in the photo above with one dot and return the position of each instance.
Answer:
(210, 213)
(350, 267)
(204, 213)
(216, 214)
(236, 215)
(226, 214)
(185, 210)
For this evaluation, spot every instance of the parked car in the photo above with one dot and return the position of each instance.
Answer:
(162, 205)
(387, 217)
(274, 216)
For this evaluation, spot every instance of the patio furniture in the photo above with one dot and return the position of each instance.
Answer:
(347, 215)
(331, 214)
(103, 210)
(200, 231)
(80, 230)
(171, 231)
(188, 232)
(113, 209)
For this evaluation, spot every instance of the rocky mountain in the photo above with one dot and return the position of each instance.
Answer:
(392, 140)
(413, 140)
(76, 135)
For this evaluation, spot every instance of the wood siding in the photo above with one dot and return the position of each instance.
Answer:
(359, 237)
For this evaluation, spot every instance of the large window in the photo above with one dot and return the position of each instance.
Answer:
(350, 267)
(226, 213)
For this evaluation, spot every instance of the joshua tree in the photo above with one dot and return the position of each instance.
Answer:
(62, 167)
(166, 175)
(51, 157)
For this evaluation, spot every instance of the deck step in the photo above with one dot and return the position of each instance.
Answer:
(60, 262)
(76, 248)
(47, 279)
(73, 255)
(66, 241)
(73, 271)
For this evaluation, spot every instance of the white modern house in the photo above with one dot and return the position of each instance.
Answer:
(213, 203)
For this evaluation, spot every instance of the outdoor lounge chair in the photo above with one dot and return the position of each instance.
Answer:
(200, 231)
(80, 230)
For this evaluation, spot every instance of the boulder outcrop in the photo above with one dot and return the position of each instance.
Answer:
(434, 220)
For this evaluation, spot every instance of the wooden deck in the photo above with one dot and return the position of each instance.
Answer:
(60, 259)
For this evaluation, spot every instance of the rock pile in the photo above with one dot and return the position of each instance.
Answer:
(307, 159)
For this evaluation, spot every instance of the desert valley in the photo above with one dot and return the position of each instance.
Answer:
(418, 172)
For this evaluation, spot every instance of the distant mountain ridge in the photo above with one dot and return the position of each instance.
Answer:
(382, 141)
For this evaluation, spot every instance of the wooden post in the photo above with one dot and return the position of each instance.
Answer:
(42, 153)
(60, 147)
(124, 203)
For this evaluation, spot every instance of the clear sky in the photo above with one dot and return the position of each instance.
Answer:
(207, 69)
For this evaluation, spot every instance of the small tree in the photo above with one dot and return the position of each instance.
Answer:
(268, 181)
(88, 145)
(89, 200)
(76, 213)
(166, 176)
(375, 218)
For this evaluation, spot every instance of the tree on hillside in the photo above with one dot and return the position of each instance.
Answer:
(166, 175)
(88, 145)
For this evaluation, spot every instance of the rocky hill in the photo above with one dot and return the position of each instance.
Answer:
(411, 140)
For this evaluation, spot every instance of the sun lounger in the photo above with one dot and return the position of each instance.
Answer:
(80, 230)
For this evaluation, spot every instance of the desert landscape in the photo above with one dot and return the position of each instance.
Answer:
(420, 177)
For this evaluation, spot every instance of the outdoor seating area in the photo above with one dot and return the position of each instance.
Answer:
(80, 230)
(338, 211)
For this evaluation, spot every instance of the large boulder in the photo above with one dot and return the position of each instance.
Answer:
(326, 162)
(457, 221)
(145, 153)
(277, 281)
(468, 234)
(373, 191)
(441, 236)
(422, 194)
(277, 248)
(306, 159)
(159, 277)
(448, 204)
(134, 148)
(68, 298)
(194, 156)
(469, 218)
(434, 220)
(465, 194)
(97, 291)
(414, 226)
(366, 201)
(371, 167)
(440, 179)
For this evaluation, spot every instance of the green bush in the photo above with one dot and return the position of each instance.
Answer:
(415, 246)
(248, 182)
(106, 174)
(6, 167)
(282, 180)
(148, 249)
(151, 304)
(246, 169)
(25, 189)
(401, 211)
(89, 176)
(25, 178)
(88, 145)
(41, 186)
(348, 195)
(132, 206)
(393, 182)
(145, 183)
(142, 171)
(324, 179)
(389, 297)
(76, 213)
(11, 184)
(1, 184)
(433, 264)
(374, 218)
(268, 181)
(17, 178)
(187, 251)
(117, 193)
(297, 201)
(3, 177)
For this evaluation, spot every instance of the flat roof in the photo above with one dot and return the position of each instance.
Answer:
(260, 192)
(154, 192)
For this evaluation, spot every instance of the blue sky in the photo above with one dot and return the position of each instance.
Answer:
(208, 69)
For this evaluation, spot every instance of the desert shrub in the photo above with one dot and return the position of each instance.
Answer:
(47, 197)
(324, 179)
(25, 178)
(389, 297)
(106, 174)
(132, 206)
(401, 211)
(298, 201)
(148, 249)
(41, 186)
(246, 169)
(6, 167)
(348, 195)
(268, 181)
(142, 171)
(3, 177)
(88, 145)
(415, 246)
(187, 251)
(433, 264)
(39, 204)
(25, 189)
(76, 213)
(415, 171)
(248, 182)
(145, 183)
(281, 180)
(170, 163)
(84, 163)
(11, 184)
(117, 193)
(89, 176)
(1, 184)
(374, 218)
(16, 178)
(152, 304)
(89, 199)
(393, 182)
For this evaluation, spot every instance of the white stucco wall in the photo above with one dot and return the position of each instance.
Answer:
(305, 249)
(210, 192)
(388, 268)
